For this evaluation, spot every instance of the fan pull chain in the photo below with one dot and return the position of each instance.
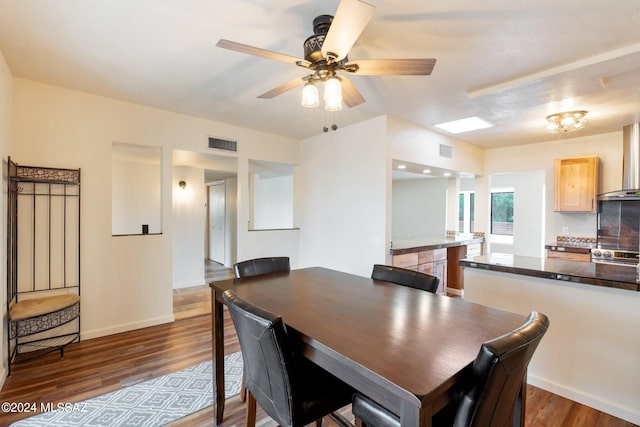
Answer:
(334, 126)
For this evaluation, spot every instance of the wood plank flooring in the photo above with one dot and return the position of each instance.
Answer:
(100, 365)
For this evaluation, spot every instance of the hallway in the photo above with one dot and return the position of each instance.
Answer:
(196, 301)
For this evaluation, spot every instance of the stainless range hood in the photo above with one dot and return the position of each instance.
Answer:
(631, 157)
(630, 166)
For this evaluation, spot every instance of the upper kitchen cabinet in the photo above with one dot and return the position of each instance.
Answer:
(576, 184)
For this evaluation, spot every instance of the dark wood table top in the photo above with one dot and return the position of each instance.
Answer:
(396, 344)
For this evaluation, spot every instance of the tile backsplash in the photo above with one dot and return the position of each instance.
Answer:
(587, 242)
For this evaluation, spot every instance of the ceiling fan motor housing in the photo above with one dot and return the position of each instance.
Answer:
(321, 24)
(313, 44)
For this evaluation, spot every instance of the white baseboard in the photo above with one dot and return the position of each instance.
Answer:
(631, 415)
(97, 333)
(456, 292)
(188, 285)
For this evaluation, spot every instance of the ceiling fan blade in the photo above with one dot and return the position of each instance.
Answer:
(393, 67)
(350, 95)
(348, 23)
(251, 50)
(283, 88)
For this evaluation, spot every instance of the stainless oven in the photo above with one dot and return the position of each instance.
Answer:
(611, 256)
(618, 239)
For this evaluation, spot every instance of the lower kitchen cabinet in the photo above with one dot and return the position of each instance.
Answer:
(572, 256)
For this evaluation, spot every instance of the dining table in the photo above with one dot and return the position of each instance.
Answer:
(404, 348)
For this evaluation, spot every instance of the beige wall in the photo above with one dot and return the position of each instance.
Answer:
(532, 157)
(6, 90)
(339, 197)
(126, 281)
(590, 352)
(416, 144)
(189, 221)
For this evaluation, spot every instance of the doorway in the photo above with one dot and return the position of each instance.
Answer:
(217, 223)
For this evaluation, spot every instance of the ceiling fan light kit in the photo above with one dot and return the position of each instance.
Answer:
(326, 55)
(332, 94)
(566, 121)
(310, 95)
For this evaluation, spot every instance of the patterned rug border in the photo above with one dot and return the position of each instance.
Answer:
(155, 402)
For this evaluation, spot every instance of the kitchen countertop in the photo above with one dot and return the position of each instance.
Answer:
(426, 243)
(589, 273)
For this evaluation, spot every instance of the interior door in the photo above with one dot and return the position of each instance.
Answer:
(217, 222)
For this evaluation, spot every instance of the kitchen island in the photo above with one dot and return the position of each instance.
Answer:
(590, 353)
(438, 256)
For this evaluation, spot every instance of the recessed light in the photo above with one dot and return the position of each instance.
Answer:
(426, 171)
(402, 166)
(464, 125)
(447, 174)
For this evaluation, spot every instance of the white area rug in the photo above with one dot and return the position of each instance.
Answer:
(151, 403)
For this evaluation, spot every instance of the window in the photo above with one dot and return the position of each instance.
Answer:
(502, 213)
(461, 213)
(471, 210)
(465, 211)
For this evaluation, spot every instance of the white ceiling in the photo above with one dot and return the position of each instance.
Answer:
(509, 62)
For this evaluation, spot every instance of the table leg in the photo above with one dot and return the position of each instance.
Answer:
(412, 416)
(217, 343)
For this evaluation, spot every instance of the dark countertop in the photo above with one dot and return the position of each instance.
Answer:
(427, 243)
(590, 273)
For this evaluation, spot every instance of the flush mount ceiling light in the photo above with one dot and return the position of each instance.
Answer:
(464, 125)
(567, 121)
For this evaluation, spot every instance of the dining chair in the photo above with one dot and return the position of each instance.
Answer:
(405, 277)
(489, 395)
(257, 266)
(289, 388)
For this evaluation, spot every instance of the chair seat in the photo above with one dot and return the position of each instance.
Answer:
(373, 414)
(321, 392)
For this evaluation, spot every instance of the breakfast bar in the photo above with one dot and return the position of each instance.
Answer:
(591, 351)
(587, 273)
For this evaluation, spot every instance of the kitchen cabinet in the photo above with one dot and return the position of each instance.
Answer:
(571, 256)
(576, 184)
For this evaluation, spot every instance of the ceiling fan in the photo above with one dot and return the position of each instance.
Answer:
(325, 55)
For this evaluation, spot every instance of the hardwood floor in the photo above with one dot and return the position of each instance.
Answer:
(100, 365)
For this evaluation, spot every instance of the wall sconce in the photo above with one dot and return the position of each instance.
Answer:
(182, 184)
